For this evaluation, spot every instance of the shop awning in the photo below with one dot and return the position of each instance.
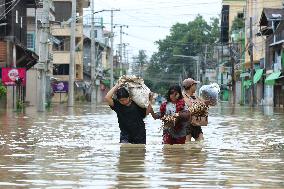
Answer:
(106, 82)
(25, 57)
(257, 75)
(270, 80)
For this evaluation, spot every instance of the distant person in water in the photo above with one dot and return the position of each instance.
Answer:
(130, 115)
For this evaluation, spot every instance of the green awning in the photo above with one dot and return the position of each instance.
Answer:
(106, 82)
(247, 84)
(257, 75)
(270, 80)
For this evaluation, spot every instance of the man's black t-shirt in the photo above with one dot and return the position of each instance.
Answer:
(130, 119)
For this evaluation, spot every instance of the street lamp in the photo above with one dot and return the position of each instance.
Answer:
(197, 59)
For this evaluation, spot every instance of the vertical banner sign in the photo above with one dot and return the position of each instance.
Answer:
(14, 76)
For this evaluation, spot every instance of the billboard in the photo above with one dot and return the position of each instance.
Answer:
(14, 76)
(60, 87)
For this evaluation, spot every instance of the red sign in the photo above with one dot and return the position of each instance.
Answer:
(14, 76)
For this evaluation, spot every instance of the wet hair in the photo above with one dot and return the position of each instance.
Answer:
(187, 88)
(175, 88)
(122, 93)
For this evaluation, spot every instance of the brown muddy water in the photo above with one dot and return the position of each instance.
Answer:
(78, 148)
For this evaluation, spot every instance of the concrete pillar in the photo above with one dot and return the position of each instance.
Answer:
(268, 95)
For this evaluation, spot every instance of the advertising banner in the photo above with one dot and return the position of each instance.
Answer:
(14, 76)
(60, 87)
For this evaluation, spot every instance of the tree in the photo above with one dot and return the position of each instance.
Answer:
(3, 90)
(238, 23)
(139, 63)
(184, 39)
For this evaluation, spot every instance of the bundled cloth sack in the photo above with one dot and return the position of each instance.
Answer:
(138, 91)
(210, 93)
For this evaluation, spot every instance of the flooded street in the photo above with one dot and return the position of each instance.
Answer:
(78, 148)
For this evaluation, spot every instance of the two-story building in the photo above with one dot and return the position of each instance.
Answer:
(272, 28)
(34, 18)
(254, 11)
(102, 58)
(61, 50)
(228, 53)
(13, 44)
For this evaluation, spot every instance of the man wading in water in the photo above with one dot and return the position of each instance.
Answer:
(130, 115)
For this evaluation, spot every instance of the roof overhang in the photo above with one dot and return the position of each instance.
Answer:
(25, 57)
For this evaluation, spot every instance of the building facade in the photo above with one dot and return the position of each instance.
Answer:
(272, 29)
(34, 19)
(61, 31)
(13, 45)
(229, 52)
(254, 8)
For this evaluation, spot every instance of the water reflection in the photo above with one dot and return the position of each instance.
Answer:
(268, 110)
(131, 166)
(182, 165)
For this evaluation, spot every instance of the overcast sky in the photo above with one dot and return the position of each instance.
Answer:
(150, 20)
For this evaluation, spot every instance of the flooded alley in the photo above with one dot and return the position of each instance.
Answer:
(78, 148)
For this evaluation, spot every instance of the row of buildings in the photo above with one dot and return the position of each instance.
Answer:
(20, 39)
(251, 56)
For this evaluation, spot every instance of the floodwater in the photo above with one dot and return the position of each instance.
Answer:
(78, 148)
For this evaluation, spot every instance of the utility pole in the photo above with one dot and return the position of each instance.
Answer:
(198, 68)
(93, 57)
(231, 46)
(43, 56)
(120, 52)
(111, 51)
(72, 56)
(111, 48)
(217, 71)
(242, 64)
(204, 65)
(251, 63)
(126, 58)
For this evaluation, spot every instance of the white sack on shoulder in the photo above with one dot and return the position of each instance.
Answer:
(140, 95)
(139, 92)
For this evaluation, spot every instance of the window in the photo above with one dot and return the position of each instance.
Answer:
(60, 69)
(96, 33)
(63, 43)
(240, 15)
(30, 41)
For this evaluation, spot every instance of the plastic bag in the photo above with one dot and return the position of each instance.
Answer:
(138, 91)
(210, 93)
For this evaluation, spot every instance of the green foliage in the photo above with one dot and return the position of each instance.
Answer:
(19, 104)
(48, 104)
(189, 39)
(116, 73)
(238, 24)
(3, 90)
(139, 63)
